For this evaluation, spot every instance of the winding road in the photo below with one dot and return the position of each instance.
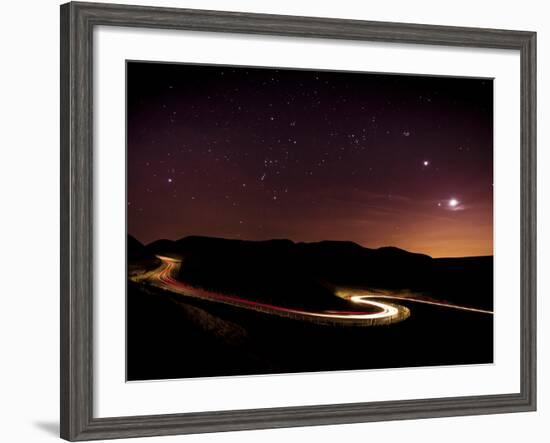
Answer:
(376, 310)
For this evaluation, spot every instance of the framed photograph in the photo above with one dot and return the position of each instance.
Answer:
(273, 221)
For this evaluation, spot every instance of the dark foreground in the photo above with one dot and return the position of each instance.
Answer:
(173, 336)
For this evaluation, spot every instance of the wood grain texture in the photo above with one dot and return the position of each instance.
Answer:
(77, 23)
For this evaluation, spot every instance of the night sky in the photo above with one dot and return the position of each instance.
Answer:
(252, 153)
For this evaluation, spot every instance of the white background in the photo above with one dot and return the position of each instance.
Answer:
(29, 188)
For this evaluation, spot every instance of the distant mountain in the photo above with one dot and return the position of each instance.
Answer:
(284, 271)
(136, 250)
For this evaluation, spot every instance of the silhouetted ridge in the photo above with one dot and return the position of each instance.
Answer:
(162, 246)
(282, 271)
(393, 251)
(136, 250)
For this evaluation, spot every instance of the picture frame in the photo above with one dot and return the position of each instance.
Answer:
(78, 21)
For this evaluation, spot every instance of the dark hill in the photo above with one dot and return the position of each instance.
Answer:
(270, 271)
(136, 250)
(281, 271)
(170, 336)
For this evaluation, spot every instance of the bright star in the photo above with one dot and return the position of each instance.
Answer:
(425, 162)
(453, 202)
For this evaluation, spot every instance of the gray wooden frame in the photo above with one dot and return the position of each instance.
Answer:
(77, 23)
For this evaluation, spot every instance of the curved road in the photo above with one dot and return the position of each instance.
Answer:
(378, 312)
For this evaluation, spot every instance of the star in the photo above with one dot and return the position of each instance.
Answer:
(426, 163)
(453, 202)
(170, 180)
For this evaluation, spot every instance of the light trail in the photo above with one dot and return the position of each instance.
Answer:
(384, 312)
(352, 296)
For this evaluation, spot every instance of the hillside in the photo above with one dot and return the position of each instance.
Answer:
(305, 274)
